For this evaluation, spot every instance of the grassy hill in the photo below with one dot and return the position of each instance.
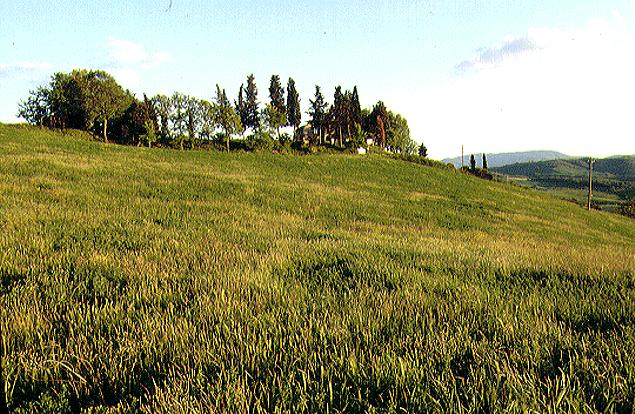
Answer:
(153, 280)
(613, 178)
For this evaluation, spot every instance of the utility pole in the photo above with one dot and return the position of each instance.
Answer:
(590, 183)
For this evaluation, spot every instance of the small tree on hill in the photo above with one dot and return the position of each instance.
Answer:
(275, 118)
(484, 162)
(472, 163)
(226, 116)
(423, 151)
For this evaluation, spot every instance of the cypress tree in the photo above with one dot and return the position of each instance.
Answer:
(294, 116)
(317, 111)
(356, 108)
(472, 163)
(252, 114)
(484, 162)
(338, 114)
(276, 93)
(241, 108)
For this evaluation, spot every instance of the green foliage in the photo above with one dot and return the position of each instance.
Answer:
(294, 114)
(83, 99)
(225, 115)
(358, 138)
(318, 112)
(398, 135)
(484, 162)
(628, 208)
(252, 114)
(276, 94)
(164, 281)
(260, 141)
(274, 119)
(423, 151)
(36, 109)
(472, 163)
(379, 123)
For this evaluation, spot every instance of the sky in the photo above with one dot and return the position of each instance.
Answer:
(492, 75)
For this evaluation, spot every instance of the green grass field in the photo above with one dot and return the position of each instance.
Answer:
(164, 281)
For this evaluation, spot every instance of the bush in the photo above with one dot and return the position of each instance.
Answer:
(417, 159)
(628, 208)
(259, 141)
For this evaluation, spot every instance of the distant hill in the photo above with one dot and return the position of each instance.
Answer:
(498, 160)
(613, 177)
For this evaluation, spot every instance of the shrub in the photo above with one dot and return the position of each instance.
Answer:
(259, 141)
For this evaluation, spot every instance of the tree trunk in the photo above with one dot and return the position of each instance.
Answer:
(106, 130)
(340, 130)
(227, 136)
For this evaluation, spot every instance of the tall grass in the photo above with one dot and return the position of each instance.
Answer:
(165, 281)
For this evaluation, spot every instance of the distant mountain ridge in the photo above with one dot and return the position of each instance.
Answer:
(506, 158)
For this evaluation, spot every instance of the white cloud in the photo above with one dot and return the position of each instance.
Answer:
(493, 56)
(567, 90)
(22, 67)
(125, 52)
(129, 59)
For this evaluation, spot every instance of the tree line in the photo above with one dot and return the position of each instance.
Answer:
(93, 101)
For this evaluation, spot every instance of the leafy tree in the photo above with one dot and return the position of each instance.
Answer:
(209, 124)
(138, 123)
(36, 110)
(252, 115)
(423, 150)
(226, 116)
(178, 117)
(66, 101)
(380, 122)
(106, 99)
(162, 108)
(484, 162)
(472, 163)
(398, 135)
(276, 94)
(294, 115)
(318, 112)
(274, 118)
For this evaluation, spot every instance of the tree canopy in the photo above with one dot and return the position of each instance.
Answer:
(93, 101)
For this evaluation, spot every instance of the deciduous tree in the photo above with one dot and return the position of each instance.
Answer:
(226, 116)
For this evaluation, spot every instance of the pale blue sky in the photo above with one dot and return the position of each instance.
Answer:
(462, 56)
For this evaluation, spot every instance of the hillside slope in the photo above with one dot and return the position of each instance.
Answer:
(151, 280)
(506, 158)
